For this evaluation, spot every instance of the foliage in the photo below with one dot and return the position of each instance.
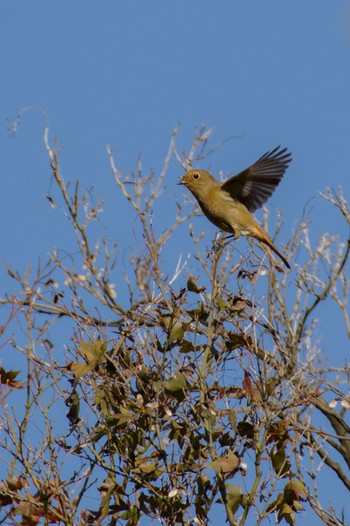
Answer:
(199, 394)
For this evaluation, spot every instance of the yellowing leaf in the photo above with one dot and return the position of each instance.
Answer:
(286, 513)
(148, 467)
(81, 369)
(92, 352)
(225, 464)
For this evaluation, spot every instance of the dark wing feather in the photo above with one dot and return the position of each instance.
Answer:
(256, 184)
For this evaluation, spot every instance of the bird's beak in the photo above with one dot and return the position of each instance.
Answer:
(181, 182)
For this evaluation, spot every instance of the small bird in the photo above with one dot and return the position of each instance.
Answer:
(229, 204)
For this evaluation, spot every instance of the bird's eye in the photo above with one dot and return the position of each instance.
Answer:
(195, 176)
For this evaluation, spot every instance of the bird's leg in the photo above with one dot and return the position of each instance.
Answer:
(218, 242)
(230, 237)
(223, 242)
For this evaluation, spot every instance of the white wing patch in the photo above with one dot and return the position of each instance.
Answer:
(247, 188)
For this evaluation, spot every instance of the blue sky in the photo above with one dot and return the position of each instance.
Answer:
(124, 73)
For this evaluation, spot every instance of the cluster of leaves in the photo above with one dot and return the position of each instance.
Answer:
(193, 400)
(32, 508)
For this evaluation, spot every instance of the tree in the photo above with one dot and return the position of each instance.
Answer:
(191, 396)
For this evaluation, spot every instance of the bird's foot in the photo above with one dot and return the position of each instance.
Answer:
(222, 242)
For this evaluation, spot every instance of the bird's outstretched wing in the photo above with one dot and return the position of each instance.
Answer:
(255, 185)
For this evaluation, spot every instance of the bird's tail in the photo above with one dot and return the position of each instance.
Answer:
(261, 236)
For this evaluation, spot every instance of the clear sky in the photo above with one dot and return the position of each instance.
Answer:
(124, 73)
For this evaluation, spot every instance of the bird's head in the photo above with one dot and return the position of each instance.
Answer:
(198, 181)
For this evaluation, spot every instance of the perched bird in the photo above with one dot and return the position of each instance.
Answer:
(229, 204)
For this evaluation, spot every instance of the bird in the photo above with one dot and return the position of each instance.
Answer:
(229, 205)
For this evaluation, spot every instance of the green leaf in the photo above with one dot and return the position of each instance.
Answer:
(122, 418)
(192, 285)
(73, 403)
(7, 375)
(245, 429)
(176, 333)
(178, 383)
(280, 463)
(200, 313)
(278, 433)
(297, 506)
(232, 418)
(92, 353)
(236, 340)
(276, 504)
(286, 513)
(271, 386)
(8, 378)
(234, 496)
(186, 346)
(295, 489)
